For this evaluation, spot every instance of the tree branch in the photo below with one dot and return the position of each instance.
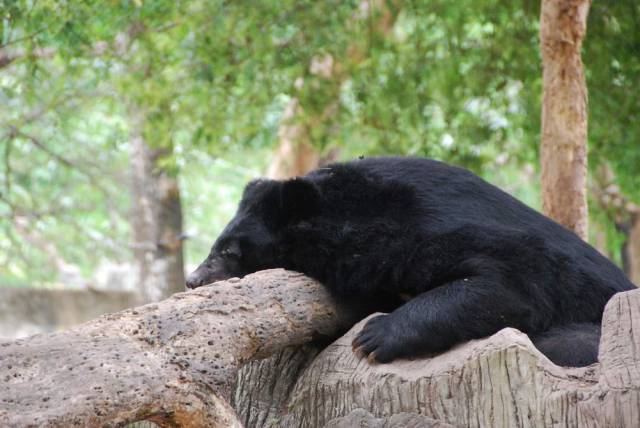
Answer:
(61, 159)
(119, 45)
(8, 57)
(174, 362)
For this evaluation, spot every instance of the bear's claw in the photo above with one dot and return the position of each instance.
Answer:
(376, 341)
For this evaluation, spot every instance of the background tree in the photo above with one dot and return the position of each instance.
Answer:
(563, 24)
(299, 139)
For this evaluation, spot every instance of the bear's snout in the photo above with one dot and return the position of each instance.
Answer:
(194, 280)
(207, 273)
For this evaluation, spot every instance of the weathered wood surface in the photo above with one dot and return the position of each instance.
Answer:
(174, 362)
(500, 381)
(264, 387)
(362, 418)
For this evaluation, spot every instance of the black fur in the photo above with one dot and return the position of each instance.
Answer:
(472, 258)
(571, 344)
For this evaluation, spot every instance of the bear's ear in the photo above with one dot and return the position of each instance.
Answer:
(300, 198)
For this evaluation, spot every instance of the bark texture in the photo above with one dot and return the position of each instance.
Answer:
(500, 381)
(362, 418)
(295, 155)
(632, 247)
(624, 213)
(563, 25)
(156, 220)
(174, 363)
(264, 387)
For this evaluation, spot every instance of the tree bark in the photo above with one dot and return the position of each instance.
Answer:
(632, 247)
(174, 362)
(624, 214)
(156, 224)
(362, 418)
(264, 387)
(563, 25)
(295, 154)
(500, 381)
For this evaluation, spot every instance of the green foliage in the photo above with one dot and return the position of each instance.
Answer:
(612, 58)
(207, 82)
(444, 85)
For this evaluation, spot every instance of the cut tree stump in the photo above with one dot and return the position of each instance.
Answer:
(176, 363)
(499, 381)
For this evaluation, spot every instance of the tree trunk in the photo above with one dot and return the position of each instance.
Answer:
(156, 224)
(264, 387)
(176, 362)
(563, 26)
(295, 155)
(632, 247)
(624, 214)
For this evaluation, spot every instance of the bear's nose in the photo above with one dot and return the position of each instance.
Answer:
(193, 281)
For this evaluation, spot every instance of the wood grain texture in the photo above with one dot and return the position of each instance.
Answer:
(176, 363)
(500, 381)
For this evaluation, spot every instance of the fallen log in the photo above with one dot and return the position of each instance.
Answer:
(173, 363)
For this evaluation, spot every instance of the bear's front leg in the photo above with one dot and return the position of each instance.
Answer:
(434, 321)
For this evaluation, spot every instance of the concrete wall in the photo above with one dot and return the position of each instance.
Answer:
(27, 311)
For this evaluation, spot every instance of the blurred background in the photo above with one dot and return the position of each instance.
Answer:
(129, 128)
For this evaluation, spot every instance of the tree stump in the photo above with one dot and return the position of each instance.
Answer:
(499, 381)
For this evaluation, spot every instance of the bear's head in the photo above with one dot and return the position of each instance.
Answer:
(252, 240)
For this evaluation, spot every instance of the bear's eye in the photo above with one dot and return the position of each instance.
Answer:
(231, 252)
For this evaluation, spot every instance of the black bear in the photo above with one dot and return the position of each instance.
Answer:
(451, 256)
